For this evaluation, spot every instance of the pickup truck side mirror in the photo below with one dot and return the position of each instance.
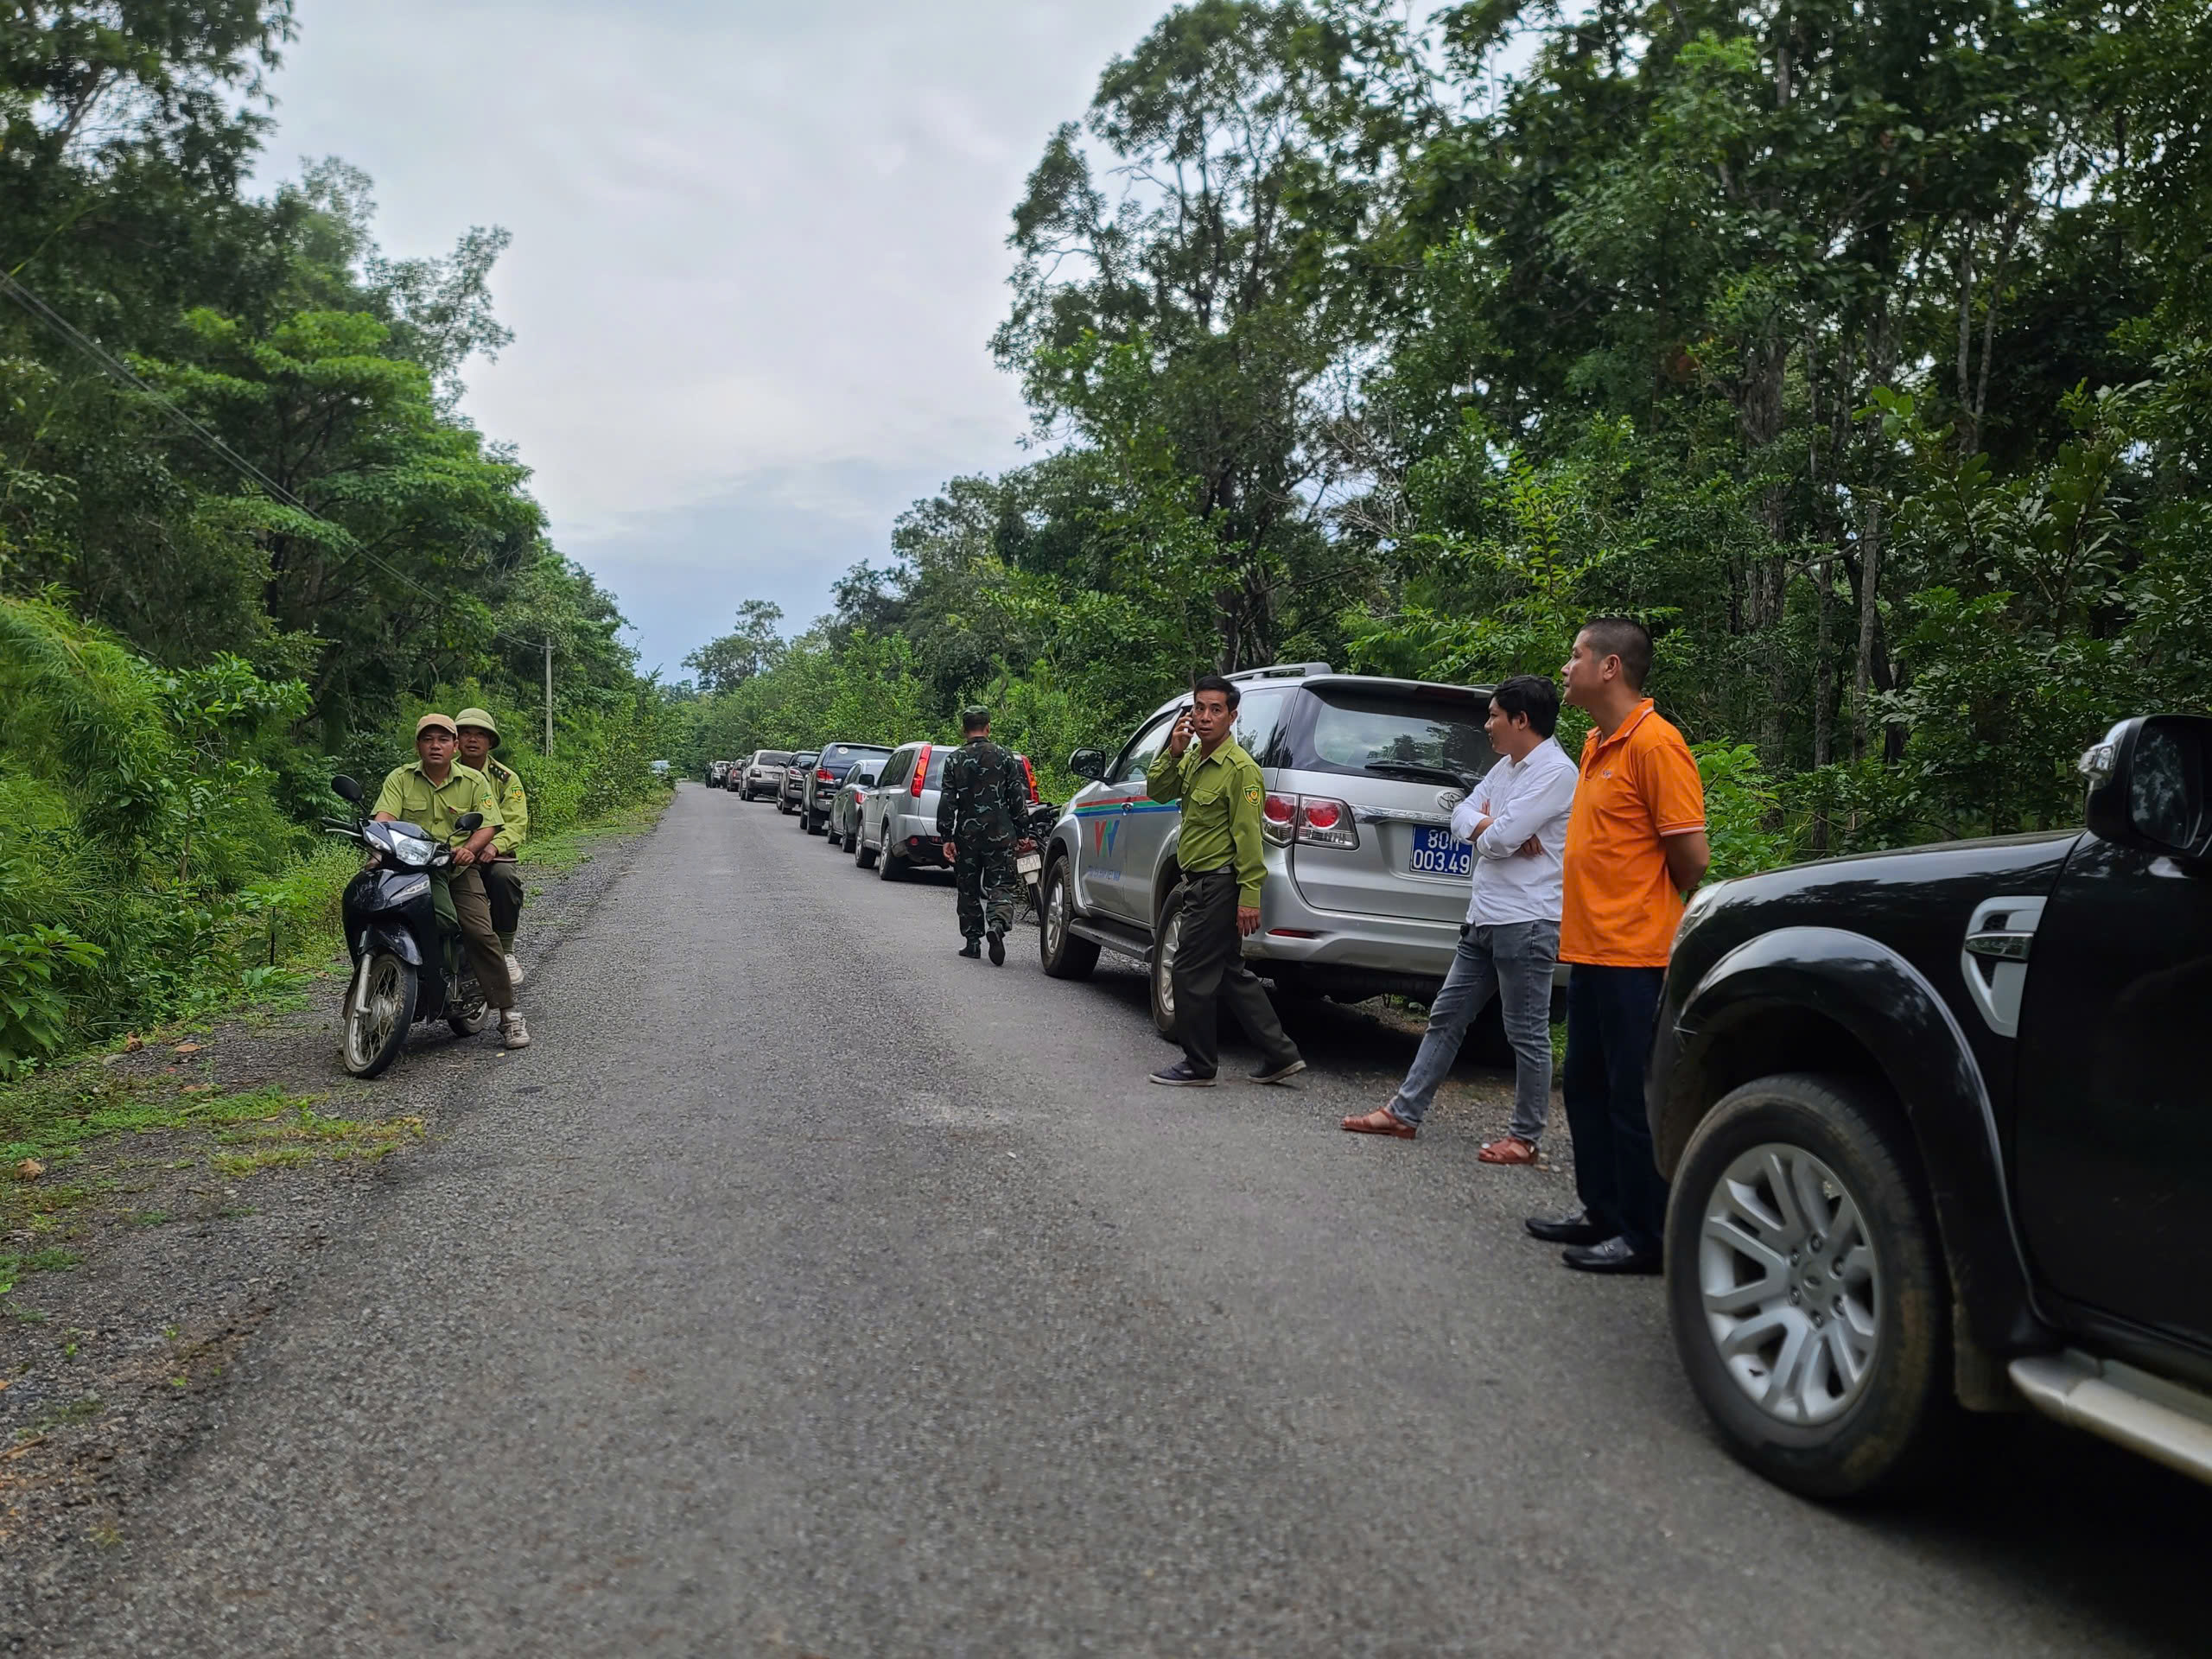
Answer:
(469, 823)
(2147, 786)
(346, 788)
(1089, 763)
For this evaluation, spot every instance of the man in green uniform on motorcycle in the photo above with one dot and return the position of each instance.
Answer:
(480, 735)
(432, 793)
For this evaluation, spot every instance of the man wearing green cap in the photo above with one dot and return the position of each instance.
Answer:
(502, 875)
(433, 793)
(982, 789)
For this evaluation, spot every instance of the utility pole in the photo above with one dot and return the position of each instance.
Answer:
(549, 697)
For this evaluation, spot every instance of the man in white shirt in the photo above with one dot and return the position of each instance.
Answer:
(1516, 818)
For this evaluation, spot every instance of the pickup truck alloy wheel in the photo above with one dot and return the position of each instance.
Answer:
(1166, 941)
(1806, 1286)
(1792, 1298)
(1063, 955)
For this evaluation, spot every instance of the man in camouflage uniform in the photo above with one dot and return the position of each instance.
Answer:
(982, 792)
(502, 875)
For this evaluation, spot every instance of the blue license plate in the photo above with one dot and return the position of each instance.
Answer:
(1438, 852)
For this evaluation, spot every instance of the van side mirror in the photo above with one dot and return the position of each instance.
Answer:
(469, 823)
(2147, 786)
(346, 788)
(1089, 763)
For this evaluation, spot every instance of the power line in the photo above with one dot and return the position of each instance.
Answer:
(122, 372)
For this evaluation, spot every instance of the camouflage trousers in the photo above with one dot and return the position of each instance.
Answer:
(985, 875)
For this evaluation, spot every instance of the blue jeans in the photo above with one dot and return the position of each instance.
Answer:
(1609, 1012)
(1515, 959)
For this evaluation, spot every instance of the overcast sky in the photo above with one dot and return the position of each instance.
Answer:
(758, 251)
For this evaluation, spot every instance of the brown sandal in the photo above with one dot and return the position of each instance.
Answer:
(1511, 1150)
(1382, 1121)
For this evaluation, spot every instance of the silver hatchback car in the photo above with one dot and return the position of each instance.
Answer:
(1366, 886)
(898, 818)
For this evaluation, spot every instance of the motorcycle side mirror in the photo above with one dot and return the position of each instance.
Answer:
(346, 788)
(469, 823)
(1089, 763)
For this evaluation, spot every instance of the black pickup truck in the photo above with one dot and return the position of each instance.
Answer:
(1940, 1136)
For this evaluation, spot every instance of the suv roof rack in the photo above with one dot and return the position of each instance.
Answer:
(1281, 672)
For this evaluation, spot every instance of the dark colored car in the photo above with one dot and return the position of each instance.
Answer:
(1939, 1136)
(787, 792)
(819, 783)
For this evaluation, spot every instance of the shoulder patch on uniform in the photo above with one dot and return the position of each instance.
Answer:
(1252, 796)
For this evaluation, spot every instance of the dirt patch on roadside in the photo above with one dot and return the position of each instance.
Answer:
(171, 1201)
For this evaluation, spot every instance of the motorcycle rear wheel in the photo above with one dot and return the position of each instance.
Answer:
(474, 1015)
(377, 1017)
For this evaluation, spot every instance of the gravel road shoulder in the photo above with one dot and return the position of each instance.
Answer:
(144, 1263)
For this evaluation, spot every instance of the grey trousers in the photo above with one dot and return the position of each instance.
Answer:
(1514, 959)
(1210, 970)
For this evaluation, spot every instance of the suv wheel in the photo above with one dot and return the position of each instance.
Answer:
(1167, 940)
(864, 854)
(889, 866)
(1063, 954)
(1807, 1289)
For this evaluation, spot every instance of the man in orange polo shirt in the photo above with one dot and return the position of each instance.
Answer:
(1636, 843)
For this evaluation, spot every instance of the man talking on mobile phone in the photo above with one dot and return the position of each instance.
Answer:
(1222, 795)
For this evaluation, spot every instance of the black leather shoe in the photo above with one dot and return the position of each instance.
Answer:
(998, 948)
(972, 949)
(1577, 1229)
(1614, 1255)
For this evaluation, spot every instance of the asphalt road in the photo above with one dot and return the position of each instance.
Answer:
(806, 1290)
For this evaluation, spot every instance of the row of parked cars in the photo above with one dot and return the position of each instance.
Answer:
(1935, 1130)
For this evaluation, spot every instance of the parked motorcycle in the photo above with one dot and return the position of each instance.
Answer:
(1028, 852)
(406, 966)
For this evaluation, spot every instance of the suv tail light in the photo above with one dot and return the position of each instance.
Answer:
(1325, 822)
(1310, 820)
(1030, 772)
(822, 775)
(921, 770)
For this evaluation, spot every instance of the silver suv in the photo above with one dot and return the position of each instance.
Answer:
(1365, 886)
(762, 775)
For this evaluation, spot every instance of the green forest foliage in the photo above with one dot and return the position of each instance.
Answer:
(1866, 353)
(245, 561)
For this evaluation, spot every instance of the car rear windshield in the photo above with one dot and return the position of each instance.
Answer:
(1397, 734)
(772, 758)
(840, 754)
(805, 758)
(938, 756)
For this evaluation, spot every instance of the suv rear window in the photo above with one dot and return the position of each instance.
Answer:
(772, 758)
(838, 754)
(1395, 734)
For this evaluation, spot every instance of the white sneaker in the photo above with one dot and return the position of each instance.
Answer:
(512, 1032)
(514, 970)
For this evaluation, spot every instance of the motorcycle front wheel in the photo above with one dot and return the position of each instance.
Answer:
(377, 1013)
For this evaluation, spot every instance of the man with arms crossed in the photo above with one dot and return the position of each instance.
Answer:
(1223, 794)
(1516, 817)
(1636, 843)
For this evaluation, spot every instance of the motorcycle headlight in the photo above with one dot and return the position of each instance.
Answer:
(413, 852)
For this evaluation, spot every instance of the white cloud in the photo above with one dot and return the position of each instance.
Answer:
(759, 250)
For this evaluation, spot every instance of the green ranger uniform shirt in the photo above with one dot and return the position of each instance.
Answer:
(411, 796)
(514, 806)
(983, 788)
(1222, 795)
